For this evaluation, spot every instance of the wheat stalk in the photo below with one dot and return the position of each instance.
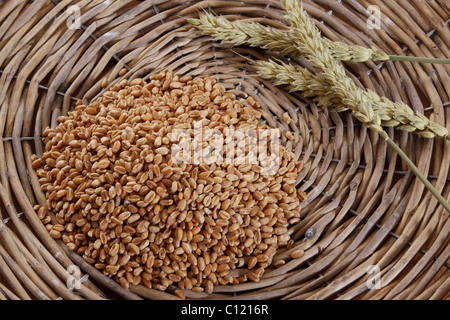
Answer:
(391, 114)
(332, 74)
(254, 34)
(310, 41)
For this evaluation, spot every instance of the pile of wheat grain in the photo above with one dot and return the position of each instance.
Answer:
(131, 188)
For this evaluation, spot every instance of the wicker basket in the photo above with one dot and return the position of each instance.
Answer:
(366, 217)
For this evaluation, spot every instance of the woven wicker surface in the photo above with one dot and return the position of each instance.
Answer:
(366, 214)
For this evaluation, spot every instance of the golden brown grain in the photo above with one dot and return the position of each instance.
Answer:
(123, 202)
(297, 254)
(252, 262)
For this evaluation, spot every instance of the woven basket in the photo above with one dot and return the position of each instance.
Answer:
(369, 229)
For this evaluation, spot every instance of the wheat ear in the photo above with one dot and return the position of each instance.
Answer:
(254, 34)
(295, 78)
(331, 73)
(257, 35)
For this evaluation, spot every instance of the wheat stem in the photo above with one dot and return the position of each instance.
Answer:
(416, 171)
(419, 59)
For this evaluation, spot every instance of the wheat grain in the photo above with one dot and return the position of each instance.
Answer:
(297, 254)
(123, 201)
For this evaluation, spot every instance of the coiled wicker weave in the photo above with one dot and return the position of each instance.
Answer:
(370, 230)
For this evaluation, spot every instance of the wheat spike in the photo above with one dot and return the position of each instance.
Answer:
(240, 32)
(332, 74)
(296, 78)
